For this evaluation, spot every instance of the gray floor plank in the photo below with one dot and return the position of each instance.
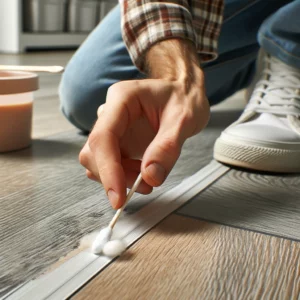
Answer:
(265, 203)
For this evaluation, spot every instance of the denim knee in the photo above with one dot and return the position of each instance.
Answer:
(80, 99)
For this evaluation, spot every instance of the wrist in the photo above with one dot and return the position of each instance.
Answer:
(175, 60)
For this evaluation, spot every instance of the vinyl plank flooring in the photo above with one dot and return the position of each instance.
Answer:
(184, 258)
(47, 117)
(37, 246)
(48, 86)
(47, 203)
(47, 206)
(255, 201)
(49, 160)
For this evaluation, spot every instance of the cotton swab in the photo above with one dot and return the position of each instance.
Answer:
(105, 234)
(114, 248)
(101, 239)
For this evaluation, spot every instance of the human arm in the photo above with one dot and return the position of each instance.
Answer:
(147, 121)
(146, 22)
(144, 123)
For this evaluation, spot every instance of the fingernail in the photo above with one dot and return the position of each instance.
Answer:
(156, 172)
(113, 198)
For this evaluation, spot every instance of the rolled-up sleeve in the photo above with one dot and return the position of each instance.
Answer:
(145, 23)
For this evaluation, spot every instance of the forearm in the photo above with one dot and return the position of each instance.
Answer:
(147, 22)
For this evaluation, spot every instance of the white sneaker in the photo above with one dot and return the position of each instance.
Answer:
(267, 135)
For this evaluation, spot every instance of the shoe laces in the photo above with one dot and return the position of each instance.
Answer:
(278, 90)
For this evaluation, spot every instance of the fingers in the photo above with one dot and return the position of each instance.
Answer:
(121, 109)
(91, 176)
(131, 177)
(87, 160)
(131, 168)
(181, 119)
(159, 159)
(172, 117)
(162, 154)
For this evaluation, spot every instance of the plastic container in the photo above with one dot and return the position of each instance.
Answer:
(16, 103)
(45, 15)
(105, 7)
(83, 15)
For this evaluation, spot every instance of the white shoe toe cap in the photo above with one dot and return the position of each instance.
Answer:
(265, 128)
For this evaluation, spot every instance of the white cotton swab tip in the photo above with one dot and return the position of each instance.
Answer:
(114, 248)
(105, 234)
(102, 238)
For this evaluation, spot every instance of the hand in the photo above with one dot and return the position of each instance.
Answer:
(142, 127)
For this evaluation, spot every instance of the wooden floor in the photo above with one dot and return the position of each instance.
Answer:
(183, 258)
(47, 205)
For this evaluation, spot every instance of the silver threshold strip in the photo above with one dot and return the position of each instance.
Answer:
(74, 273)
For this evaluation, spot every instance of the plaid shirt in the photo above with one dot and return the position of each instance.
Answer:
(145, 22)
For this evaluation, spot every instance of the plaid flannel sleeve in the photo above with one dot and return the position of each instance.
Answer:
(146, 22)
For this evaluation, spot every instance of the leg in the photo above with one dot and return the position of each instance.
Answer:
(280, 34)
(103, 60)
(267, 135)
(238, 47)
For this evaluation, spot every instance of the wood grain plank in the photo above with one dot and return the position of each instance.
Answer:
(255, 201)
(184, 258)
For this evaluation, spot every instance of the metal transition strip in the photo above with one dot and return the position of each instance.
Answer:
(73, 274)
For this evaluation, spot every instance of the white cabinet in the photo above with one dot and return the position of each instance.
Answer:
(14, 38)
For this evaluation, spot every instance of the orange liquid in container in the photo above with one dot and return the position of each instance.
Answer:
(16, 107)
(15, 124)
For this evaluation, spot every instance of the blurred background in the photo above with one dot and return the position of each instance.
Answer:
(48, 24)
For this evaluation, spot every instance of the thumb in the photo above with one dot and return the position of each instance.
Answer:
(160, 157)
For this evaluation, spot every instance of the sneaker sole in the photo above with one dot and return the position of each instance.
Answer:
(257, 157)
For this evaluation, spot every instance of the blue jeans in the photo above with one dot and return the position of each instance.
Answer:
(103, 60)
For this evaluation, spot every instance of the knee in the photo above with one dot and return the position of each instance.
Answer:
(80, 96)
